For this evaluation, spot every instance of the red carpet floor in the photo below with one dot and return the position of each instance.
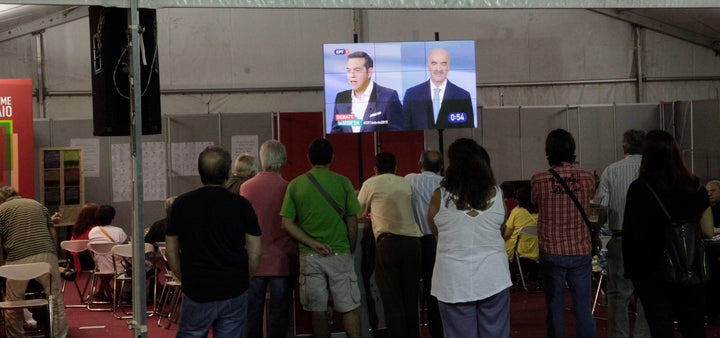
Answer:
(527, 320)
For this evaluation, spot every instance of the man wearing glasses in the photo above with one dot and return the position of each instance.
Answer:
(367, 106)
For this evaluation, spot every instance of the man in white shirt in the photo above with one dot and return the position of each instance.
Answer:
(423, 185)
(611, 192)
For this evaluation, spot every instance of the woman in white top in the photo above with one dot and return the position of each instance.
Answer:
(106, 233)
(471, 278)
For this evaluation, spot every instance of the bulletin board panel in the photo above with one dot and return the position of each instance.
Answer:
(595, 139)
(602, 129)
(636, 116)
(189, 134)
(502, 135)
(120, 188)
(186, 130)
(241, 127)
(706, 157)
(536, 123)
(515, 136)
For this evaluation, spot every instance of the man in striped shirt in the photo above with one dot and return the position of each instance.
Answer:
(611, 192)
(28, 236)
(423, 185)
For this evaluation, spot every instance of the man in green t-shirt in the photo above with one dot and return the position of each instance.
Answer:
(326, 238)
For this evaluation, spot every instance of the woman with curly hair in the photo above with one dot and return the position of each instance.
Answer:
(80, 230)
(471, 278)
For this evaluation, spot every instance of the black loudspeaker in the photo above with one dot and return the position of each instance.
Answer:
(109, 36)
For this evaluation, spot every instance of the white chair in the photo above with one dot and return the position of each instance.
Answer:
(125, 252)
(526, 231)
(75, 246)
(169, 297)
(27, 272)
(98, 250)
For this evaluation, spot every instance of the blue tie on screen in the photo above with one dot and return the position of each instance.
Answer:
(436, 103)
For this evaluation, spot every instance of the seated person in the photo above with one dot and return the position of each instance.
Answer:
(525, 214)
(106, 232)
(81, 229)
(156, 232)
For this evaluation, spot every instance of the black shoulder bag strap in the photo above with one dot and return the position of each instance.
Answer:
(325, 194)
(574, 199)
(657, 199)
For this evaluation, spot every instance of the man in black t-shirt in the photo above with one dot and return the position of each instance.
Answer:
(213, 247)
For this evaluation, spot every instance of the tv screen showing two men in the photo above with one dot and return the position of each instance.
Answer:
(399, 86)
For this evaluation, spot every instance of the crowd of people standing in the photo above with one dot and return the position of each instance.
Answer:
(232, 240)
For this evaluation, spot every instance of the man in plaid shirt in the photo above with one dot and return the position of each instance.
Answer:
(564, 238)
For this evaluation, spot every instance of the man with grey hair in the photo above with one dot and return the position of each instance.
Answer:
(423, 184)
(437, 103)
(279, 260)
(28, 236)
(244, 168)
(213, 247)
(611, 192)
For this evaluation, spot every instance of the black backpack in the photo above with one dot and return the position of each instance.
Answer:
(684, 259)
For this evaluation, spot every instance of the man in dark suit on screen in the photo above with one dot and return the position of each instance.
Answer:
(437, 103)
(367, 107)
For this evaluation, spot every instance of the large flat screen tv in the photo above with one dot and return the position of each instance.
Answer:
(399, 86)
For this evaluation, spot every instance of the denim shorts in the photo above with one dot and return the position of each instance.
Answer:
(335, 272)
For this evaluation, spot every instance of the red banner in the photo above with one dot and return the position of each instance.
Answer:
(16, 136)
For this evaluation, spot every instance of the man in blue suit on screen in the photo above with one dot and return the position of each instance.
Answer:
(437, 103)
(367, 106)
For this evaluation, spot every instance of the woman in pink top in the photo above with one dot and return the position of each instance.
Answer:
(84, 222)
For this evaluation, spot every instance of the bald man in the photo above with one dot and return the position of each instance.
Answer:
(437, 103)
(713, 189)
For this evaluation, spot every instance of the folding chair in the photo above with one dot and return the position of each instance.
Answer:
(526, 231)
(603, 272)
(21, 272)
(169, 297)
(125, 252)
(75, 246)
(98, 250)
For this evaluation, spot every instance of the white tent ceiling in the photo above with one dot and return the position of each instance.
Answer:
(697, 21)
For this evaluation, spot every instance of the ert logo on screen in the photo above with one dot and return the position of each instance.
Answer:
(341, 51)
